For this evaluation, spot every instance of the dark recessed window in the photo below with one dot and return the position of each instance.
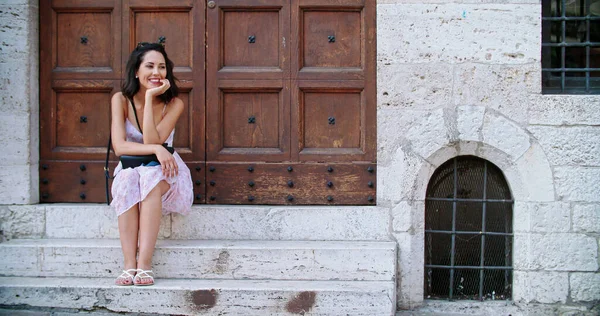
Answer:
(571, 46)
(468, 232)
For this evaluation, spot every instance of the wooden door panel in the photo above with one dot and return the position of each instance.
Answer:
(291, 183)
(81, 44)
(248, 39)
(332, 121)
(75, 124)
(79, 121)
(249, 121)
(333, 41)
(251, 39)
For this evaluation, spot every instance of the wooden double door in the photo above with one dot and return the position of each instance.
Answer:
(279, 94)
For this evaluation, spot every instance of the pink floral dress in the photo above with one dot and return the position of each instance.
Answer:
(130, 186)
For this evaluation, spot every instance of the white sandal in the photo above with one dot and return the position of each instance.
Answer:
(126, 276)
(141, 275)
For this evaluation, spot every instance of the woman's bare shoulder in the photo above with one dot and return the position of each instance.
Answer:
(118, 98)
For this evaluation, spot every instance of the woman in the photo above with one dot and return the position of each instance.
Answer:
(142, 194)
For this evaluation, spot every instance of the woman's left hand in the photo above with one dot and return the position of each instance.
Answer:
(167, 161)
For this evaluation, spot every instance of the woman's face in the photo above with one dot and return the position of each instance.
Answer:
(152, 69)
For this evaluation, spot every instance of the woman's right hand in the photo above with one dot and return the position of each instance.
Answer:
(167, 161)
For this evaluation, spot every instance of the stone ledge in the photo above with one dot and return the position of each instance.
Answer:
(206, 259)
(193, 297)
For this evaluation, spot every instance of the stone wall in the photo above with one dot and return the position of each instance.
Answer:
(464, 78)
(19, 101)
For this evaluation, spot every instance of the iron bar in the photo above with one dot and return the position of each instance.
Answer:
(467, 232)
(467, 200)
(481, 255)
(436, 266)
(453, 238)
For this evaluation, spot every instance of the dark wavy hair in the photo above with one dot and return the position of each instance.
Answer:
(131, 85)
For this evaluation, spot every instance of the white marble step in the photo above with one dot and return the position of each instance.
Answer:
(210, 297)
(205, 259)
(222, 222)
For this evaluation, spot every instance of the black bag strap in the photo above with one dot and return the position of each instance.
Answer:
(136, 119)
(106, 171)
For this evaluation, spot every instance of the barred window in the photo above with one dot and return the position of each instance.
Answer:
(571, 46)
(468, 232)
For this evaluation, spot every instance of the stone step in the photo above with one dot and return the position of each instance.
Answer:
(205, 259)
(214, 297)
(223, 222)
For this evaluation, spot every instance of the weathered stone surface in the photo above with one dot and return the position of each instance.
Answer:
(534, 175)
(577, 183)
(469, 121)
(564, 109)
(459, 32)
(503, 88)
(585, 286)
(193, 297)
(541, 287)
(410, 269)
(550, 217)
(555, 252)
(89, 221)
(15, 140)
(505, 134)
(23, 221)
(408, 216)
(414, 86)
(403, 178)
(569, 145)
(14, 31)
(586, 218)
(195, 259)
(283, 223)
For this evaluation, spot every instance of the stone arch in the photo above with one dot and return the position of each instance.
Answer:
(500, 141)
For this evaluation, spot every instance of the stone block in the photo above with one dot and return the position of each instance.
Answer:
(408, 216)
(564, 109)
(556, 252)
(404, 178)
(15, 86)
(208, 259)
(541, 287)
(535, 176)
(503, 88)
(215, 297)
(504, 134)
(459, 32)
(585, 287)
(14, 32)
(22, 221)
(283, 223)
(550, 217)
(414, 86)
(586, 218)
(522, 217)
(569, 145)
(430, 132)
(89, 221)
(410, 269)
(469, 121)
(577, 183)
(14, 140)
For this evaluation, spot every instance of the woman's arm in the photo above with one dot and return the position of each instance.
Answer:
(158, 134)
(120, 145)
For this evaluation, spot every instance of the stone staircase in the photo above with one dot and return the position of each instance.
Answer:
(234, 260)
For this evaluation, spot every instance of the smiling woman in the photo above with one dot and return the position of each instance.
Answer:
(143, 193)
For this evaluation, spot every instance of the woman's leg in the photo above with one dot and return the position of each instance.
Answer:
(128, 233)
(150, 215)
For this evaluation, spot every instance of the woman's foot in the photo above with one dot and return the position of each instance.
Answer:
(126, 277)
(143, 277)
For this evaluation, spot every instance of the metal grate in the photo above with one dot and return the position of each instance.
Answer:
(571, 46)
(468, 232)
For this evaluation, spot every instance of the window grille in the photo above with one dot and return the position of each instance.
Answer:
(468, 232)
(571, 46)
